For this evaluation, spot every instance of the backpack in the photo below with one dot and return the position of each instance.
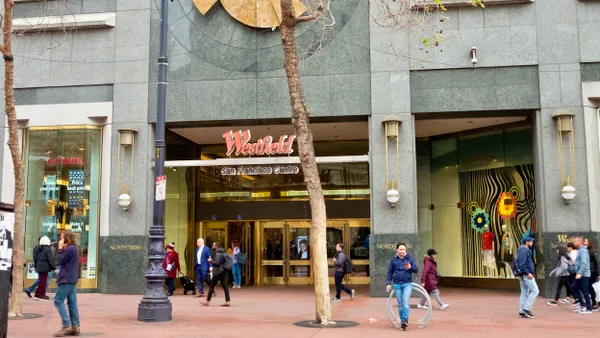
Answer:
(515, 267)
(348, 266)
(227, 261)
(241, 259)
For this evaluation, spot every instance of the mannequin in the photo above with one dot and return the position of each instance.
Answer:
(506, 257)
(488, 252)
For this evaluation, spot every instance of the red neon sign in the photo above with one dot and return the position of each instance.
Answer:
(239, 142)
(53, 161)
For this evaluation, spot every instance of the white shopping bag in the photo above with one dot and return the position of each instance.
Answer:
(596, 287)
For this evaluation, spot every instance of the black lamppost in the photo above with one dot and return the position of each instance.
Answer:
(155, 306)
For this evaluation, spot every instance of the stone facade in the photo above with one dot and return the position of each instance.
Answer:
(532, 57)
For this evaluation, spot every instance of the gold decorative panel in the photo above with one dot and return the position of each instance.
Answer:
(253, 13)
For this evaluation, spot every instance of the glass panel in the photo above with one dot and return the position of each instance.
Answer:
(299, 270)
(481, 151)
(281, 182)
(299, 244)
(360, 271)
(334, 236)
(273, 271)
(62, 190)
(215, 235)
(177, 213)
(272, 244)
(359, 243)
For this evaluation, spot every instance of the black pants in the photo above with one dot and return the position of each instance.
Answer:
(563, 282)
(219, 278)
(593, 279)
(339, 278)
(171, 285)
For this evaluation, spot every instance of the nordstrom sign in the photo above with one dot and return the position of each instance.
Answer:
(239, 142)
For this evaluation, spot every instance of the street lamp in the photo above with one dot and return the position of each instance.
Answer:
(155, 306)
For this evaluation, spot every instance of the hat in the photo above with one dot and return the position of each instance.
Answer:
(431, 252)
(527, 239)
(171, 246)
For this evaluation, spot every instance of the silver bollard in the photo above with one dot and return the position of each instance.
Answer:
(394, 317)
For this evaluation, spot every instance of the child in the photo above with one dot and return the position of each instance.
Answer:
(562, 272)
(429, 280)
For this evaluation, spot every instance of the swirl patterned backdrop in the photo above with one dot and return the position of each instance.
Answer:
(485, 187)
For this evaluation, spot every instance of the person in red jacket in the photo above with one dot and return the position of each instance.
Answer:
(429, 280)
(171, 266)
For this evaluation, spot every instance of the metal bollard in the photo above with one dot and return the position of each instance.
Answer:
(393, 316)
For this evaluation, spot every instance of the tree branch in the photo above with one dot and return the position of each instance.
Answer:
(317, 14)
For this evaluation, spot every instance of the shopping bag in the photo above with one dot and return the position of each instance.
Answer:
(596, 287)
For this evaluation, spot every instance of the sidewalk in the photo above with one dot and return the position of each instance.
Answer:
(270, 311)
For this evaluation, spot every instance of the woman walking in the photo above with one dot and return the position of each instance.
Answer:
(68, 259)
(171, 266)
(562, 273)
(429, 280)
(44, 263)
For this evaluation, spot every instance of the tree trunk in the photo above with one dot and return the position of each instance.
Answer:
(15, 152)
(300, 117)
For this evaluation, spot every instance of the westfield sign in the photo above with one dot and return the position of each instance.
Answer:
(239, 142)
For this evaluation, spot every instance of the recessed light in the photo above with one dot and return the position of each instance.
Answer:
(470, 122)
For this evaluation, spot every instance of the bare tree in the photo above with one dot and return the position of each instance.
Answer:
(394, 14)
(15, 153)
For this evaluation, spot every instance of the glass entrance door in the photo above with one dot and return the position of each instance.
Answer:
(298, 253)
(357, 247)
(271, 253)
(215, 232)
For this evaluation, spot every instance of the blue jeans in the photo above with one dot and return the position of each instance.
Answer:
(67, 291)
(202, 276)
(529, 292)
(237, 274)
(37, 282)
(581, 287)
(403, 293)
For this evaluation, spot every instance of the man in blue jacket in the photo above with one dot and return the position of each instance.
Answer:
(582, 278)
(399, 274)
(201, 265)
(526, 276)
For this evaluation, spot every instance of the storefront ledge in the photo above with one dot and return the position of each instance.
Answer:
(123, 263)
(504, 284)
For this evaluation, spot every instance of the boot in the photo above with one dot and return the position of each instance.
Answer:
(226, 304)
(64, 332)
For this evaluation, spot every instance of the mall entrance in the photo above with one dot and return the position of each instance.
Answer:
(278, 252)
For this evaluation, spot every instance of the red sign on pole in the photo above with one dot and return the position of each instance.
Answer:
(161, 188)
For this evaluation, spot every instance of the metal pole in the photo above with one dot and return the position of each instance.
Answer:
(155, 306)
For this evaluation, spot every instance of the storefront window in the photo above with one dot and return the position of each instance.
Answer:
(62, 169)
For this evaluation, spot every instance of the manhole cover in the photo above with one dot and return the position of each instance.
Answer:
(314, 325)
(27, 316)
(91, 334)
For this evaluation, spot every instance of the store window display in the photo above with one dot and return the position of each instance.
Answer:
(62, 170)
(488, 251)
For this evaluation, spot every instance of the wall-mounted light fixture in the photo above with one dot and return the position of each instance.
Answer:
(474, 55)
(392, 126)
(564, 128)
(126, 141)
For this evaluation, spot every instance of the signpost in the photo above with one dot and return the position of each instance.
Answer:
(7, 223)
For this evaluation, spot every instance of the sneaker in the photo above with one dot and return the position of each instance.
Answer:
(45, 299)
(335, 300)
(522, 315)
(352, 294)
(404, 326)
(585, 311)
(75, 331)
(28, 293)
(444, 307)
(552, 303)
(64, 332)
(566, 301)
(226, 304)
(595, 309)
(204, 303)
(576, 304)
(528, 314)
(579, 309)
(422, 307)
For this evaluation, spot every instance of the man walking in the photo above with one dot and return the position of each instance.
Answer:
(399, 274)
(582, 277)
(340, 271)
(201, 265)
(219, 275)
(526, 276)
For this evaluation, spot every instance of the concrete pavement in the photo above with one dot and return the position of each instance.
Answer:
(270, 311)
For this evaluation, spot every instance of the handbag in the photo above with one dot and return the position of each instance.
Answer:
(170, 266)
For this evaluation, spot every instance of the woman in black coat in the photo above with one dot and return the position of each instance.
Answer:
(44, 263)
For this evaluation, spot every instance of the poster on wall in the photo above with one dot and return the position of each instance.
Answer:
(31, 273)
(91, 272)
(76, 187)
(50, 188)
(6, 239)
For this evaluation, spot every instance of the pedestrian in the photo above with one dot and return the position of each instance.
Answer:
(593, 271)
(429, 280)
(339, 262)
(399, 275)
(237, 268)
(68, 259)
(582, 278)
(171, 266)
(202, 266)
(576, 296)
(219, 275)
(526, 275)
(562, 273)
(44, 263)
(33, 286)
